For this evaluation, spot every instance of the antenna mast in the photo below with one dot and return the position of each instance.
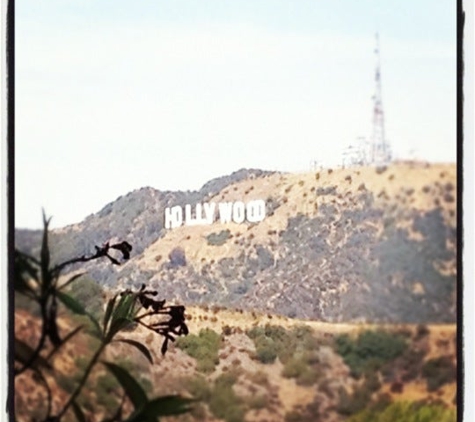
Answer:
(380, 150)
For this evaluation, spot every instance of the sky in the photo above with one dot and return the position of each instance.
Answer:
(112, 96)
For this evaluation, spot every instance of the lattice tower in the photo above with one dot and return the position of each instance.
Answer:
(380, 151)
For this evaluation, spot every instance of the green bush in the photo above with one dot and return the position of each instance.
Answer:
(224, 403)
(274, 341)
(203, 347)
(266, 350)
(300, 368)
(293, 416)
(220, 396)
(257, 402)
(406, 412)
(370, 350)
(439, 371)
(350, 404)
(218, 239)
(199, 388)
(294, 367)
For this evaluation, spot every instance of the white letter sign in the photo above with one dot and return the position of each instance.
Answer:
(237, 212)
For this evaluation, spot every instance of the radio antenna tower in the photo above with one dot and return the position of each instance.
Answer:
(380, 151)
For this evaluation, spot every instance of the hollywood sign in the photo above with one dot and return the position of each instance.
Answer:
(207, 213)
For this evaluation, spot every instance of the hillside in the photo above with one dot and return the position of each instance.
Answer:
(261, 368)
(343, 245)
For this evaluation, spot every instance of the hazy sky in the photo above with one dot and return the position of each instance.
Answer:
(116, 95)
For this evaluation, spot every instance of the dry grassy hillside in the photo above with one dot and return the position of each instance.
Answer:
(332, 244)
(421, 187)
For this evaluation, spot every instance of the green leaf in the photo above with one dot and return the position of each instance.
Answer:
(24, 353)
(139, 346)
(131, 387)
(124, 308)
(78, 412)
(122, 315)
(117, 325)
(108, 313)
(71, 303)
(162, 406)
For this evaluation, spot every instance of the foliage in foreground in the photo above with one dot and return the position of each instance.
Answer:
(39, 281)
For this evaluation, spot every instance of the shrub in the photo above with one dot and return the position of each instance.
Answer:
(426, 189)
(449, 187)
(449, 197)
(203, 347)
(177, 257)
(301, 368)
(294, 368)
(308, 377)
(268, 340)
(218, 239)
(257, 402)
(227, 330)
(259, 378)
(273, 341)
(407, 412)
(422, 331)
(224, 403)
(266, 351)
(371, 349)
(293, 416)
(439, 371)
(351, 404)
(331, 190)
(397, 387)
(199, 388)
